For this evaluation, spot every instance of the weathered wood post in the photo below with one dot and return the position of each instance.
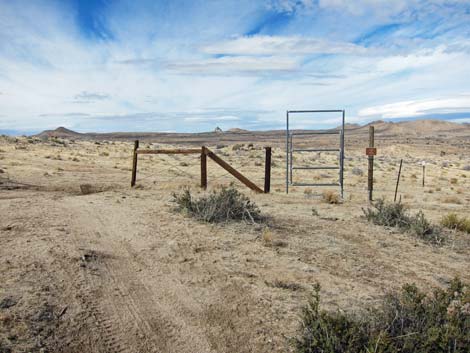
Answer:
(134, 163)
(203, 167)
(267, 171)
(370, 173)
(398, 181)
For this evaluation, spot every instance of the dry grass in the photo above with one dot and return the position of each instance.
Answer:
(453, 221)
(451, 199)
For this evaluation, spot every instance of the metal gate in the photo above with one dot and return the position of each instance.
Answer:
(290, 150)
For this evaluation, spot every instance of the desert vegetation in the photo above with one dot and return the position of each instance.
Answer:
(226, 269)
(409, 321)
(397, 215)
(224, 205)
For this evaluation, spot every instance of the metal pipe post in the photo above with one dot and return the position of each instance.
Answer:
(370, 171)
(342, 155)
(287, 152)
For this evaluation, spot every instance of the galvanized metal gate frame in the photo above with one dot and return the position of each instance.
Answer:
(290, 150)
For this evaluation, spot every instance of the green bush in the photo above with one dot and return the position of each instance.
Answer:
(452, 221)
(226, 204)
(397, 215)
(406, 322)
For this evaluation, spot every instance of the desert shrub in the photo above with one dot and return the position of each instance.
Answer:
(407, 321)
(452, 221)
(331, 197)
(396, 215)
(387, 214)
(238, 147)
(453, 181)
(357, 171)
(226, 204)
(466, 167)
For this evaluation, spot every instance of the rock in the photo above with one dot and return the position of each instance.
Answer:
(87, 189)
(8, 302)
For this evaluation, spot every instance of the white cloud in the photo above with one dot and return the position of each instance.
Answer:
(416, 108)
(47, 66)
(212, 119)
(234, 65)
(277, 45)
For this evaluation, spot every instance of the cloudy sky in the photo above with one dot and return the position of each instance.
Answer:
(112, 65)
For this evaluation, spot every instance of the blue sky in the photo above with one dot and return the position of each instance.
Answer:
(112, 65)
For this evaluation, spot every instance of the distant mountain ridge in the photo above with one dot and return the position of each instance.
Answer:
(420, 128)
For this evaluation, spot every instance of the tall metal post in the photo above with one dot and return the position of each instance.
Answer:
(370, 172)
(342, 157)
(287, 152)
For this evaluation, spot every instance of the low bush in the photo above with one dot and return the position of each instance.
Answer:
(407, 321)
(452, 221)
(331, 197)
(397, 215)
(226, 204)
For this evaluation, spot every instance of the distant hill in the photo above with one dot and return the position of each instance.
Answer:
(415, 127)
(61, 132)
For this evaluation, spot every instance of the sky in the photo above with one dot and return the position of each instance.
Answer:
(149, 65)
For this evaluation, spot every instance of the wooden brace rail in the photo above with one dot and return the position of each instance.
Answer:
(205, 152)
(231, 170)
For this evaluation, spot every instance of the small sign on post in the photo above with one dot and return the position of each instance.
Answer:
(371, 151)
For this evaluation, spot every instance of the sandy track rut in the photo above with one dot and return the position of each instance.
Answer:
(137, 310)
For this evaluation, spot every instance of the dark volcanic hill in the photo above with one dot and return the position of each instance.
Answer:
(61, 132)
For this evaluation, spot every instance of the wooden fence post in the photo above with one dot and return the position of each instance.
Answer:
(424, 171)
(134, 163)
(267, 171)
(203, 168)
(370, 173)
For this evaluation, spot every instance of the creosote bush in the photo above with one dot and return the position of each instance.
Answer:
(453, 221)
(396, 215)
(226, 204)
(407, 322)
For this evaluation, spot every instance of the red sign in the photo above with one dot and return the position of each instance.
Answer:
(371, 151)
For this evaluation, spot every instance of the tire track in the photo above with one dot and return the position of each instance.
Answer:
(132, 317)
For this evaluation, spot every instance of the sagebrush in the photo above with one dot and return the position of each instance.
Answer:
(226, 204)
(409, 321)
(397, 215)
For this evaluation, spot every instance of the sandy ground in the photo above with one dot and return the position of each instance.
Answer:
(117, 270)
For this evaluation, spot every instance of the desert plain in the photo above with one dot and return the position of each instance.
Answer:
(89, 264)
